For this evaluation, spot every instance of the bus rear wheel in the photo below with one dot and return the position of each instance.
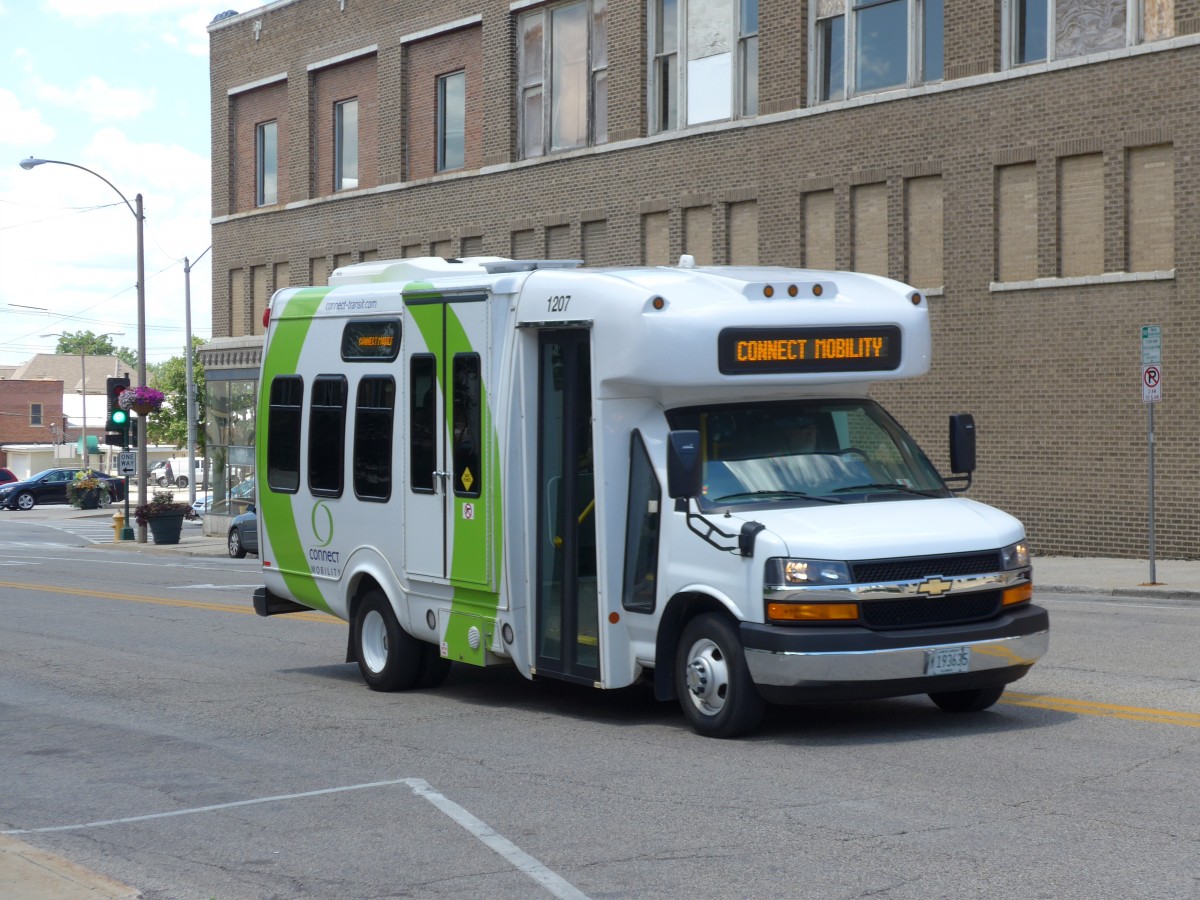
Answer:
(712, 680)
(388, 657)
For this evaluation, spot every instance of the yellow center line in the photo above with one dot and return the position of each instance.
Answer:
(163, 601)
(1104, 710)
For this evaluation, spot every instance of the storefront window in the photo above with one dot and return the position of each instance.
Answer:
(230, 444)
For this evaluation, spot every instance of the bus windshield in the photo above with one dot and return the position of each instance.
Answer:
(800, 452)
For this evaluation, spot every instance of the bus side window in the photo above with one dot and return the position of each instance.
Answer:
(373, 416)
(327, 436)
(468, 431)
(641, 531)
(422, 429)
(283, 433)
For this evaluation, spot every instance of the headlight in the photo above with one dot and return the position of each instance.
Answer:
(806, 572)
(1015, 556)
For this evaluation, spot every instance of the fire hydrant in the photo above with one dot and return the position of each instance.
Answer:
(118, 525)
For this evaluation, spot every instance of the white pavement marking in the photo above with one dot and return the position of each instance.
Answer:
(551, 881)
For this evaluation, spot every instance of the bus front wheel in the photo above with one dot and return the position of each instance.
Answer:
(712, 680)
(388, 657)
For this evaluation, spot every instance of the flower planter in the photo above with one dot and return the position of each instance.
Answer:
(166, 527)
(144, 409)
(89, 499)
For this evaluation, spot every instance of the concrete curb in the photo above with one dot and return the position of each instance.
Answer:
(33, 874)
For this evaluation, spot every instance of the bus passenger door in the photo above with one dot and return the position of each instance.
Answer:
(567, 630)
(446, 511)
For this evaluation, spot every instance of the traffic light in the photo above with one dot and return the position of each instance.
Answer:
(117, 430)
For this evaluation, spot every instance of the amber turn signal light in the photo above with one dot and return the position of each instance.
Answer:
(812, 612)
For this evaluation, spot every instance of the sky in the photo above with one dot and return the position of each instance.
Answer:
(119, 87)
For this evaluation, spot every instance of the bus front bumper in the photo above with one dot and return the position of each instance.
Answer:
(798, 664)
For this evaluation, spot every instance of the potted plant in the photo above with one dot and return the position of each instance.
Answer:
(164, 516)
(83, 492)
(141, 399)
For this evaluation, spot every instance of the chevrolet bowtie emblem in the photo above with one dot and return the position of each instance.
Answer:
(935, 586)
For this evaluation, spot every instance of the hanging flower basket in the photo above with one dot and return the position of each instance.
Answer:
(142, 400)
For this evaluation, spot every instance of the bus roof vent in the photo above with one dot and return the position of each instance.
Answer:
(502, 267)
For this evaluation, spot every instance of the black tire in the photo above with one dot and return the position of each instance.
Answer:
(434, 667)
(25, 501)
(712, 680)
(162, 482)
(967, 701)
(237, 550)
(181, 481)
(388, 657)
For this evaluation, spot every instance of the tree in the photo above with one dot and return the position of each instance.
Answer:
(169, 424)
(90, 344)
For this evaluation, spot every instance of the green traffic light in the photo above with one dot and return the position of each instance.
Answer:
(120, 417)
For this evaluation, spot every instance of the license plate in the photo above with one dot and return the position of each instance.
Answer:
(947, 660)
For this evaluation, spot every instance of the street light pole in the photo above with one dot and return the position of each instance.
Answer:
(140, 218)
(190, 405)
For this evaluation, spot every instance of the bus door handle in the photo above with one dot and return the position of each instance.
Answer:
(441, 475)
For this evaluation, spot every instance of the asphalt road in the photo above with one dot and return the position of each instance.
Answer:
(153, 729)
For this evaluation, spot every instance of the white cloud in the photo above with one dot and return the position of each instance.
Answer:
(98, 100)
(23, 127)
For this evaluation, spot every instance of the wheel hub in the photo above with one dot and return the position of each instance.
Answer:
(707, 677)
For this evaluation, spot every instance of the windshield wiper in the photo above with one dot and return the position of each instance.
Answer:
(890, 486)
(782, 495)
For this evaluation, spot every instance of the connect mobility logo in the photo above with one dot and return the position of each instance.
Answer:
(321, 560)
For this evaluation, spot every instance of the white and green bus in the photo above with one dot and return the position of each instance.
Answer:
(603, 475)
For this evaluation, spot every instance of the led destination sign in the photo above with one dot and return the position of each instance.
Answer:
(371, 339)
(850, 348)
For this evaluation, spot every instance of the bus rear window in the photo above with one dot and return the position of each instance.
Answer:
(283, 433)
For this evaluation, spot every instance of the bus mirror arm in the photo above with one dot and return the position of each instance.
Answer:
(704, 529)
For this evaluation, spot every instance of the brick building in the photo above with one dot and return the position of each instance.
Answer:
(1027, 163)
(31, 412)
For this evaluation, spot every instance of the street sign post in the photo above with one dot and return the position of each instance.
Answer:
(127, 462)
(1151, 394)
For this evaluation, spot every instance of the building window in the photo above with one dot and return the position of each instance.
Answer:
(718, 39)
(267, 155)
(698, 234)
(1081, 215)
(563, 78)
(35, 414)
(656, 239)
(742, 228)
(345, 153)
(923, 231)
(1016, 223)
(882, 44)
(869, 208)
(1150, 184)
(452, 121)
(1042, 30)
(820, 230)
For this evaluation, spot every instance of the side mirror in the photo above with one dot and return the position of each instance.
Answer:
(962, 443)
(684, 471)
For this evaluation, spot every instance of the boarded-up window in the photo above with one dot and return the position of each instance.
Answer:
(1151, 226)
(1081, 215)
(1016, 223)
(473, 245)
(558, 242)
(594, 236)
(237, 303)
(318, 270)
(819, 231)
(698, 234)
(869, 208)
(411, 250)
(524, 244)
(370, 255)
(282, 275)
(656, 239)
(342, 259)
(743, 233)
(258, 298)
(1158, 19)
(444, 249)
(923, 231)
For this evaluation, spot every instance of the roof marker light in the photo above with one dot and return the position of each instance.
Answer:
(916, 298)
(658, 303)
(768, 291)
(793, 290)
(818, 290)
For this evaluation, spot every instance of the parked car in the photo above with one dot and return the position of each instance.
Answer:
(179, 472)
(6, 475)
(201, 506)
(243, 534)
(50, 486)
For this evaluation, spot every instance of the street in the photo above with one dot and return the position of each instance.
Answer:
(156, 731)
